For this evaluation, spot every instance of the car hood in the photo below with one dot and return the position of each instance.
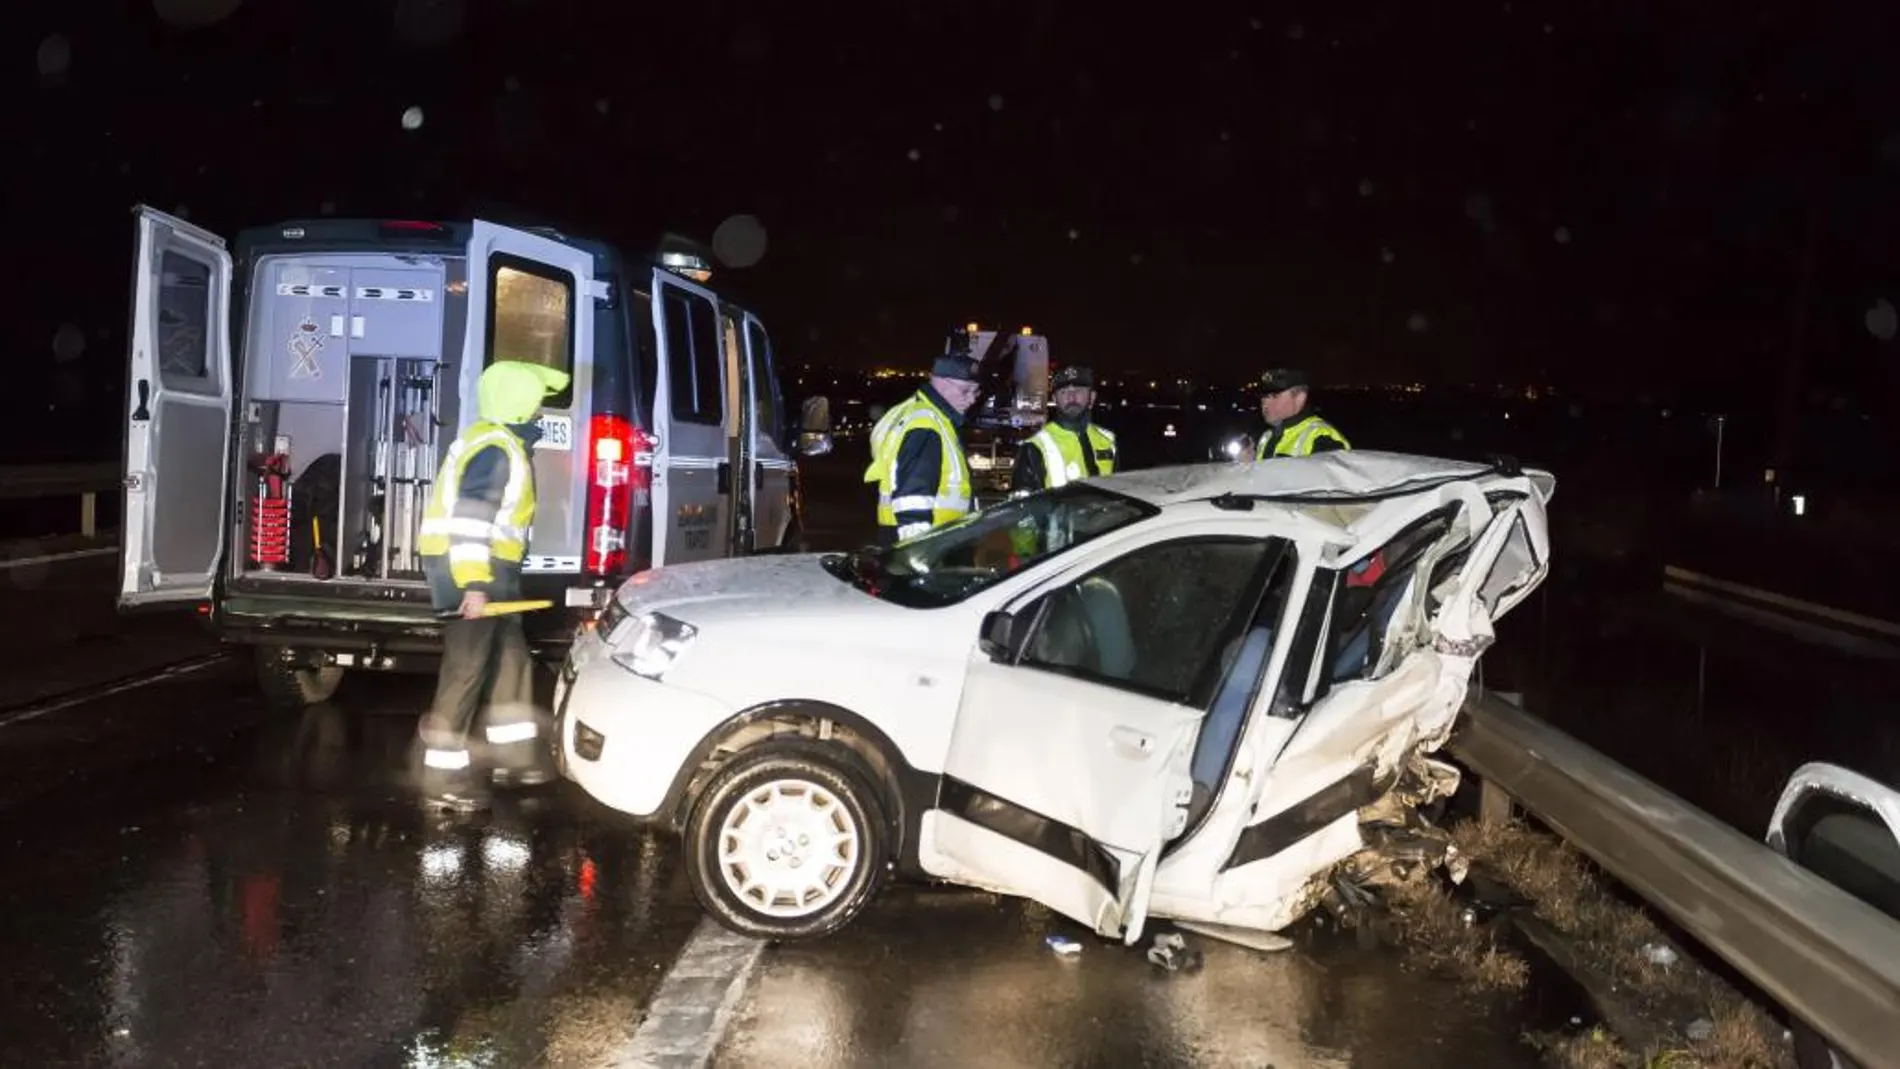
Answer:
(707, 592)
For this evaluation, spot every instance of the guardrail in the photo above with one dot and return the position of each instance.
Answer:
(86, 481)
(1829, 958)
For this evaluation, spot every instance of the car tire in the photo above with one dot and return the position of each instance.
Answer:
(287, 686)
(764, 814)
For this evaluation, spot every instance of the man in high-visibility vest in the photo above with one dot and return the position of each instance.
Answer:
(474, 536)
(1070, 446)
(917, 459)
(1293, 429)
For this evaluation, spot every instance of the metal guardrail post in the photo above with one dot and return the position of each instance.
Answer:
(84, 481)
(88, 514)
(1829, 958)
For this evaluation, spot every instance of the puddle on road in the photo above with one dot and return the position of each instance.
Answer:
(940, 978)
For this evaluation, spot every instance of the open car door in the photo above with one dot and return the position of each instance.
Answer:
(179, 410)
(1351, 700)
(1069, 767)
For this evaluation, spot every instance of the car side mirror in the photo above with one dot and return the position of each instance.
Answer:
(1003, 636)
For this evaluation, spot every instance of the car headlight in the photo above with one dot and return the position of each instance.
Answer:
(652, 643)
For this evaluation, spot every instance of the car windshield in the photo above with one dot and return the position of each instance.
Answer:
(971, 555)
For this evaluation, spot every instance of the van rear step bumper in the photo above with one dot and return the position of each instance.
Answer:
(385, 638)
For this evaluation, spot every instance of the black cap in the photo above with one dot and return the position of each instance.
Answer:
(1073, 375)
(1274, 380)
(954, 366)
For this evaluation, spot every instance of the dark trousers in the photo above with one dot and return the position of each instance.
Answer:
(486, 669)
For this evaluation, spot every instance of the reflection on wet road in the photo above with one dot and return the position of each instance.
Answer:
(298, 908)
(930, 978)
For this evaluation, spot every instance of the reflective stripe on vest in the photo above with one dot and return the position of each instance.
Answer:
(1297, 440)
(468, 533)
(952, 499)
(1062, 459)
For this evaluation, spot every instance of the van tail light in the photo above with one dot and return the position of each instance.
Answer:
(621, 460)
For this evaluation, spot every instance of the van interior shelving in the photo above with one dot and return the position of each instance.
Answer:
(345, 412)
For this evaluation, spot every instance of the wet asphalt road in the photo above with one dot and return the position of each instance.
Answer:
(196, 881)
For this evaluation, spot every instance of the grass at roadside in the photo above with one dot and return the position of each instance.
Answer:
(1693, 1018)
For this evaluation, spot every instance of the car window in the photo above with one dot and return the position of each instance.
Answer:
(184, 318)
(531, 318)
(1850, 847)
(960, 559)
(1369, 594)
(765, 397)
(646, 348)
(1157, 621)
(693, 358)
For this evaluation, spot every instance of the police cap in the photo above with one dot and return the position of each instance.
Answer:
(1275, 380)
(1073, 376)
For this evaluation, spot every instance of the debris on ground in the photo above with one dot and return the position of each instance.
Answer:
(1692, 1019)
(1170, 952)
(1063, 945)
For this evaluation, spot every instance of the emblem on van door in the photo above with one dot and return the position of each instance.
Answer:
(304, 347)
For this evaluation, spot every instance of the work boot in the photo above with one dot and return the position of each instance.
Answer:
(456, 791)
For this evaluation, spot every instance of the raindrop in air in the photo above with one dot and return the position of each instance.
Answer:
(996, 102)
(412, 119)
(1387, 255)
(1562, 235)
(182, 211)
(603, 106)
(937, 126)
(1365, 187)
(55, 55)
(328, 207)
(511, 83)
(1255, 24)
(1295, 32)
(1135, 259)
(1882, 321)
(69, 343)
(194, 14)
(1074, 234)
(1418, 324)
(915, 155)
(739, 242)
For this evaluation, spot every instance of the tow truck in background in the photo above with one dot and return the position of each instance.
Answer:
(1012, 405)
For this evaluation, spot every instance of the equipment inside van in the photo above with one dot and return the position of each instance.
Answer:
(288, 408)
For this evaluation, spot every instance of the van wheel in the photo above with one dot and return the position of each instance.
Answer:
(287, 686)
(786, 843)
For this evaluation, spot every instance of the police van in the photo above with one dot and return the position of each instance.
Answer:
(290, 398)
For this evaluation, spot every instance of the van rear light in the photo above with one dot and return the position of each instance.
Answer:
(621, 467)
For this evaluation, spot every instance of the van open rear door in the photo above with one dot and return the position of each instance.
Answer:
(179, 408)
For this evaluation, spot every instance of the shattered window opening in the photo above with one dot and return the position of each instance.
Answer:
(1157, 621)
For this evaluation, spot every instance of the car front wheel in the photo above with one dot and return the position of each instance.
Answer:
(787, 843)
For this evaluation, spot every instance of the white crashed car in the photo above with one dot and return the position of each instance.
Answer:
(1179, 692)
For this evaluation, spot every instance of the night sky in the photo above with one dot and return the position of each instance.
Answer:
(1614, 201)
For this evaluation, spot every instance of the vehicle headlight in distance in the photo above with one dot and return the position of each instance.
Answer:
(652, 643)
(1233, 448)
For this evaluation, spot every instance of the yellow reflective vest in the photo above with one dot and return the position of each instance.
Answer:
(1061, 448)
(951, 499)
(474, 532)
(1296, 439)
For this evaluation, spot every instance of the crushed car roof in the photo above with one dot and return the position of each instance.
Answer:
(1337, 477)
